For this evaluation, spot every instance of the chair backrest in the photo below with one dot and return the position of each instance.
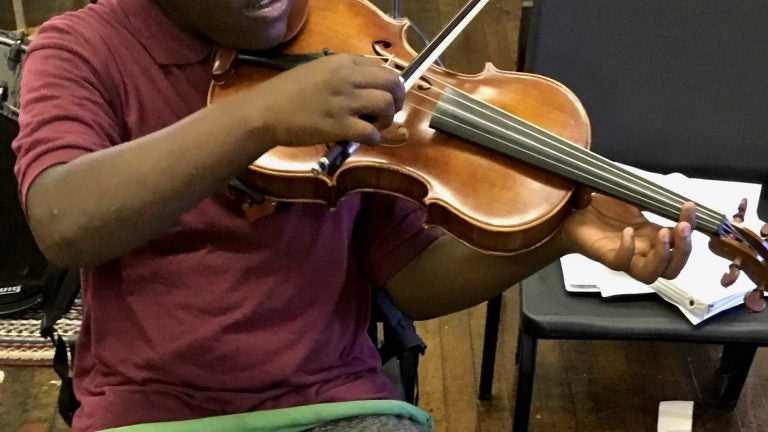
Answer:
(668, 85)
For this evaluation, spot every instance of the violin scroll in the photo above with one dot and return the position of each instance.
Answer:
(747, 251)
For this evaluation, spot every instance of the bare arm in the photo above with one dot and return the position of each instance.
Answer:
(450, 276)
(102, 204)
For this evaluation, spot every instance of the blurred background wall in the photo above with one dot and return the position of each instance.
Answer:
(35, 11)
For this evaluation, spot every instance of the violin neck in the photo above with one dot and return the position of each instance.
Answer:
(464, 116)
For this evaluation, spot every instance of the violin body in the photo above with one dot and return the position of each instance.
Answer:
(490, 201)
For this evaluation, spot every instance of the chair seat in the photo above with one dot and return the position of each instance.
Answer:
(549, 312)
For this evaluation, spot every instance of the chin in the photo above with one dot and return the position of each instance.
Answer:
(247, 40)
(252, 39)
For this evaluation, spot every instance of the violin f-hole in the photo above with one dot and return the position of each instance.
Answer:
(379, 48)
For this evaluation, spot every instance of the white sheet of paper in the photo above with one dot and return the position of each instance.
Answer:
(675, 416)
(583, 274)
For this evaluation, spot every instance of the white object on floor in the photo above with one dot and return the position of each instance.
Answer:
(675, 416)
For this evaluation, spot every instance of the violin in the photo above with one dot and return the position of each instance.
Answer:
(494, 158)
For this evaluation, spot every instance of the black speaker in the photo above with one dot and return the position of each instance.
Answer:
(23, 267)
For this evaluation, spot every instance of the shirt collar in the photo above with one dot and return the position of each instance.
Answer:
(162, 38)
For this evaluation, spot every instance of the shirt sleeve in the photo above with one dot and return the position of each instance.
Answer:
(392, 235)
(64, 110)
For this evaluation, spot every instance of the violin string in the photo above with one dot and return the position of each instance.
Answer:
(715, 218)
(570, 148)
(727, 224)
(718, 220)
(673, 208)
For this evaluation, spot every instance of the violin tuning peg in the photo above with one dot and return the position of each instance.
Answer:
(741, 211)
(729, 278)
(764, 231)
(755, 300)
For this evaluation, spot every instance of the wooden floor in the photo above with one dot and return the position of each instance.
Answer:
(580, 385)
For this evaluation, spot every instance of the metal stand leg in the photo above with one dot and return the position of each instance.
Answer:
(490, 339)
(734, 368)
(525, 374)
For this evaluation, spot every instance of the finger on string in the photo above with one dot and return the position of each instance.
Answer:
(681, 250)
(689, 214)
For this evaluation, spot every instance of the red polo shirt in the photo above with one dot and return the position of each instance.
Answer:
(214, 315)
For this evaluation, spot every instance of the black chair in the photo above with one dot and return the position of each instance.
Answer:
(399, 345)
(669, 86)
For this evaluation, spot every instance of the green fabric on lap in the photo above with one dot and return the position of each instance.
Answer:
(293, 419)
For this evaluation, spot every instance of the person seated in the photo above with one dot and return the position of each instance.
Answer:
(193, 314)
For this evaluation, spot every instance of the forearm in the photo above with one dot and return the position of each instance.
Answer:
(450, 276)
(102, 204)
